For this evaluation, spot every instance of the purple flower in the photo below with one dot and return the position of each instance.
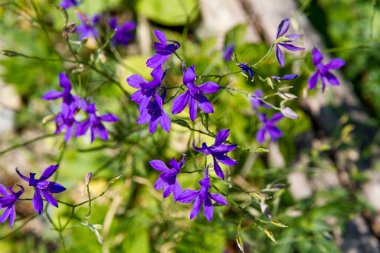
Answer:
(219, 151)
(228, 51)
(147, 90)
(7, 202)
(168, 178)
(124, 33)
(163, 50)
(95, 123)
(65, 4)
(247, 70)
(87, 28)
(201, 198)
(256, 102)
(43, 187)
(65, 121)
(269, 128)
(66, 96)
(285, 41)
(284, 77)
(155, 114)
(323, 71)
(194, 96)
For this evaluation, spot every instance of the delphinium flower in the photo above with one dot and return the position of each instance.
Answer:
(71, 104)
(285, 41)
(219, 151)
(88, 27)
(95, 123)
(269, 127)
(323, 71)
(194, 96)
(163, 50)
(201, 198)
(43, 187)
(168, 178)
(155, 114)
(285, 77)
(228, 51)
(7, 202)
(256, 102)
(69, 3)
(66, 95)
(147, 90)
(65, 120)
(247, 71)
(124, 33)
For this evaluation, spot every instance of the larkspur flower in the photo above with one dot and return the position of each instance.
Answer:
(228, 51)
(247, 70)
(285, 41)
(65, 121)
(285, 77)
(7, 202)
(66, 95)
(194, 96)
(124, 33)
(219, 151)
(95, 123)
(168, 178)
(256, 102)
(65, 4)
(163, 50)
(43, 187)
(155, 114)
(323, 71)
(201, 198)
(147, 90)
(269, 127)
(88, 27)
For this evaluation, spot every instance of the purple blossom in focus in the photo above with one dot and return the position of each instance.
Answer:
(95, 123)
(43, 188)
(7, 202)
(323, 71)
(124, 33)
(201, 198)
(228, 51)
(88, 27)
(247, 70)
(219, 151)
(65, 4)
(194, 96)
(65, 120)
(66, 96)
(269, 128)
(168, 178)
(256, 102)
(285, 41)
(163, 50)
(285, 77)
(147, 90)
(155, 114)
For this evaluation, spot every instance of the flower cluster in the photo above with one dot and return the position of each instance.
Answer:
(123, 34)
(169, 183)
(65, 120)
(43, 189)
(150, 96)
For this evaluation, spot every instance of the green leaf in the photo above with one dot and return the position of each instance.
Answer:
(181, 122)
(168, 12)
